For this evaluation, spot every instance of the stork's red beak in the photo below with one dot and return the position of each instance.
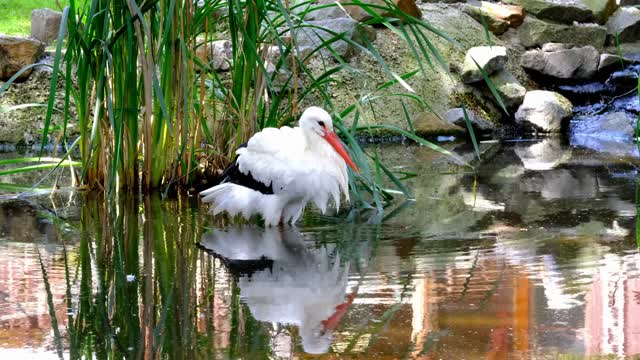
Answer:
(333, 140)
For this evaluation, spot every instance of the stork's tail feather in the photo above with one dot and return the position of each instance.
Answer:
(231, 198)
(239, 200)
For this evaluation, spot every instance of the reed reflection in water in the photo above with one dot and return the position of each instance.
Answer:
(152, 278)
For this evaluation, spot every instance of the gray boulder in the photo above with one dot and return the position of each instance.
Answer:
(321, 30)
(456, 117)
(626, 23)
(216, 54)
(569, 11)
(544, 110)
(574, 63)
(562, 11)
(489, 58)
(45, 25)
(629, 2)
(535, 32)
(16, 53)
(509, 88)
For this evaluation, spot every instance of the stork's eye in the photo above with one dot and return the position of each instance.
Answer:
(321, 123)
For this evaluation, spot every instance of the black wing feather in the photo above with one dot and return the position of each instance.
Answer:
(232, 174)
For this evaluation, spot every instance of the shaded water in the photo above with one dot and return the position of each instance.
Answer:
(534, 257)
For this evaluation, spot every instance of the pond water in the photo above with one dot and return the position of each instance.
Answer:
(533, 257)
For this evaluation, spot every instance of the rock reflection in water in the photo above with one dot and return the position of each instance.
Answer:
(282, 281)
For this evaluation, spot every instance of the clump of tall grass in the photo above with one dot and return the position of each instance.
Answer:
(150, 113)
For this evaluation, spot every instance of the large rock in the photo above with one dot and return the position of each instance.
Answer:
(456, 117)
(45, 25)
(629, 2)
(572, 63)
(217, 54)
(321, 30)
(428, 125)
(358, 13)
(489, 58)
(626, 23)
(562, 11)
(535, 32)
(16, 53)
(602, 9)
(509, 88)
(498, 17)
(545, 110)
(569, 11)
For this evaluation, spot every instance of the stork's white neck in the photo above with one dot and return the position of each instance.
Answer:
(314, 142)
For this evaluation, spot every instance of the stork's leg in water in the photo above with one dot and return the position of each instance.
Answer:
(281, 223)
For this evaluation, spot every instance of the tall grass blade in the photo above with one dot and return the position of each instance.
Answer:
(54, 76)
(472, 133)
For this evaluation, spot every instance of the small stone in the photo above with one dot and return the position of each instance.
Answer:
(609, 62)
(509, 88)
(16, 53)
(489, 58)
(498, 19)
(427, 124)
(545, 110)
(45, 25)
(626, 23)
(624, 80)
(456, 116)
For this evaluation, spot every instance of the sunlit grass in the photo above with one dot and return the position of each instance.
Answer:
(16, 14)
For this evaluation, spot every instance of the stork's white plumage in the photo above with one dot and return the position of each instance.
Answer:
(280, 170)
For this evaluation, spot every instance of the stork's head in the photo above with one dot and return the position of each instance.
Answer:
(316, 122)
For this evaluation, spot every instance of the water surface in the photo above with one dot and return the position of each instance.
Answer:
(532, 257)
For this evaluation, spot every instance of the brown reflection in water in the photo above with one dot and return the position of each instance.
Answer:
(612, 313)
(24, 311)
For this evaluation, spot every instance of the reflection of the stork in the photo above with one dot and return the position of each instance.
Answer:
(285, 282)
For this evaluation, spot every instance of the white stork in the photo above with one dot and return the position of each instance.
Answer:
(280, 170)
